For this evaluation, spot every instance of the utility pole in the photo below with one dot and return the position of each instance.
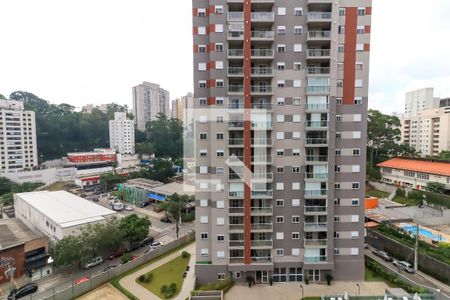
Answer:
(416, 246)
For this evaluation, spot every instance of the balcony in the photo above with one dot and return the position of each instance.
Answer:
(262, 159)
(318, 35)
(236, 124)
(316, 124)
(235, 35)
(236, 194)
(318, 53)
(236, 89)
(237, 142)
(235, 72)
(266, 106)
(261, 90)
(236, 244)
(262, 194)
(316, 193)
(262, 72)
(263, 16)
(316, 142)
(316, 158)
(262, 53)
(236, 210)
(315, 243)
(253, 1)
(261, 211)
(315, 227)
(236, 260)
(262, 243)
(317, 90)
(318, 71)
(236, 105)
(261, 125)
(236, 53)
(315, 259)
(265, 142)
(262, 176)
(262, 35)
(319, 1)
(319, 16)
(321, 176)
(315, 210)
(317, 107)
(236, 227)
(261, 227)
(235, 16)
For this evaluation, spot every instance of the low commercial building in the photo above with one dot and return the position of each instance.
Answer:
(45, 176)
(415, 173)
(26, 249)
(58, 214)
(95, 158)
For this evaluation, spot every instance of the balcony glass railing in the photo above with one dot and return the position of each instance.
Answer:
(236, 105)
(318, 70)
(262, 159)
(236, 194)
(236, 71)
(236, 89)
(262, 194)
(236, 226)
(262, 243)
(236, 243)
(315, 209)
(315, 193)
(317, 124)
(318, 16)
(262, 71)
(318, 52)
(236, 35)
(316, 175)
(263, 16)
(236, 260)
(317, 89)
(261, 141)
(316, 141)
(261, 106)
(261, 89)
(235, 16)
(262, 259)
(262, 34)
(262, 176)
(261, 125)
(235, 124)
(261, 226)
(315, 242)
(236, 141)
(236, 210)
(317, 107)
(315, 226)
(262, 52)
(261, 210)
(235, 52)
(319, 34)
(315, 259)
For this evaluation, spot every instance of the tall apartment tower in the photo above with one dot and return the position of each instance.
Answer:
(280, 183)
(121, 133)
(149, 99)
(418, 100)
(17, 137)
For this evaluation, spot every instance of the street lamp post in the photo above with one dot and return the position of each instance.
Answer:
(301, 286)
(359, 288)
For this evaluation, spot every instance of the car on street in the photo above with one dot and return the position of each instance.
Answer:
(382, 254)
(81, 280)
(128, 207)
(134, 246)
(156, 245)
(147, 241)
(25, 290)
(118, 206)
(144, 204)
(184, 274)
(404, 265)
(108, 268)
(116, 254)
(94, 262)
(166, 220)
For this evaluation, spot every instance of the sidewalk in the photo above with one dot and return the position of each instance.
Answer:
(129, 282)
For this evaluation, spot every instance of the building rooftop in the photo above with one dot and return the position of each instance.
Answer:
(13, 232)
(417, 165)
(176, 187)
(64, 208)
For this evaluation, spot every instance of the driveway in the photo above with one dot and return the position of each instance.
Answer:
(129, 282)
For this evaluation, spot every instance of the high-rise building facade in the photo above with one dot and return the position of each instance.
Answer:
(418, 100)
(121, 133)
(280, 172)
(17, 137)
(149, 99)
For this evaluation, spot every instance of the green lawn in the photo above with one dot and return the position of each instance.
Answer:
(377, 193)
(371, 276)
(406, 201)
(171, 272)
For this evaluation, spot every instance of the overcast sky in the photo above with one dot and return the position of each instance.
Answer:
(94, 51)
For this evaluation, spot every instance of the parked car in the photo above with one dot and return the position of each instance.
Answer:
(144, 204)
(404, 265)
(116, 254)
(147, 241)
(81, 280)
(25, 290)
(156, 245)
(134, 246)
(166, 220)
(382, 254)
(94, 262)
(184, 274)
(117, 206)
(108, 268)
(128, 207)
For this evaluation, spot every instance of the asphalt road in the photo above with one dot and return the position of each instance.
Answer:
(419, 277)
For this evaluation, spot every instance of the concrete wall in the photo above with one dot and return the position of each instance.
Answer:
(427, 264)
(384, 187)
(18, 254)
(45, 176)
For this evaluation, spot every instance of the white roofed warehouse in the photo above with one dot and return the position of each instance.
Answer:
(58, 214)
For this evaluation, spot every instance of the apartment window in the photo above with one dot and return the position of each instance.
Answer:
(281, 11)
(219, 47)
(219, 83)
(355, 185)
(337, 219)
(281, 48)
(219, 101)
(279, 235)
(280, 219)
(204, 235)
(204, 219)
(356, 134)
(341, 29)
(219, 9)
(220, 221)
(338, 135)
(355, 202)
(281, 83)
(204, 252)
(202, 83)
(219, 65)
(279, 252)
(297, 47)
(337, 168)
(295, 152)
(340, 83)
(281, 66)
(298, 11)
(296, 235)
(296, 101)
(237, 274)
(280, 169)
(203, 170)
(358, 83)
(281, 29)
(336, 251)
(337, 186)
(219, 119)
(221, 254)
(203, 153)
(279, 202)
(295, 219)
(201, 48)
(340, 66)
(360, 30)
(219, 28)
(220, 237)
(203, 136)
(356, 152)
(337, 202)
(338, 118)
(341, 48)
(359, 47)
(297, 66)
(423, 176)
(203, 203)
(280, 152)
(280, 101)
(297, 83)
(280, 186)
(341, 12)
(296, 186)
(296, 135)
(201, 30)
(358, 100)
(361, 11)
(295, 202)
(219, 153)
(280, 118)
(219, 136)
(298, 30)
(280, 135)
(406, 173)
(220, 204)
(201, 12)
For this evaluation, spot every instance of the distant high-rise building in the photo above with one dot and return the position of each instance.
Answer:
(149, 99)
(17, 137)
(418, 100)
(88, 108)
(173, 111)
(280, 99)
(121, 133)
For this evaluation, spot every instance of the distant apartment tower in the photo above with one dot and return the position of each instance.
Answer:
(182, 109)
(418, 100)
(281, 171)
(121, 133)
(428, 131)
(149, 99)
(88, 108)
(17, 137)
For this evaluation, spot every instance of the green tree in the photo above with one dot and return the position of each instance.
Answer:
(444, 155)
(144, 149)
(173, 207)
(435, 187)
(110, 180)
(166, 136)
(67, 251)
(5, 185)
(162, 170)
(134, 229)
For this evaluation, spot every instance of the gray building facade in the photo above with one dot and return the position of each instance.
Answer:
(280, 99)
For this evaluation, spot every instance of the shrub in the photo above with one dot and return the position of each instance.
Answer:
(173, 287)
(145, 278)
(328, 277)
(400, 192)
(249, 280)
(164, 289)
(189, 217)
(185, 254)
(126, 258)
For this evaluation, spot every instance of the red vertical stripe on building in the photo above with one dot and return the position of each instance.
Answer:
(367, 47)
(195, 48)
(211, 10)
(367, 29)
(194, 11)
(368, 11)
(211, 100)
(195, 30)
(247, 132)
(351, 22)
(212, 28)
(211, 47)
